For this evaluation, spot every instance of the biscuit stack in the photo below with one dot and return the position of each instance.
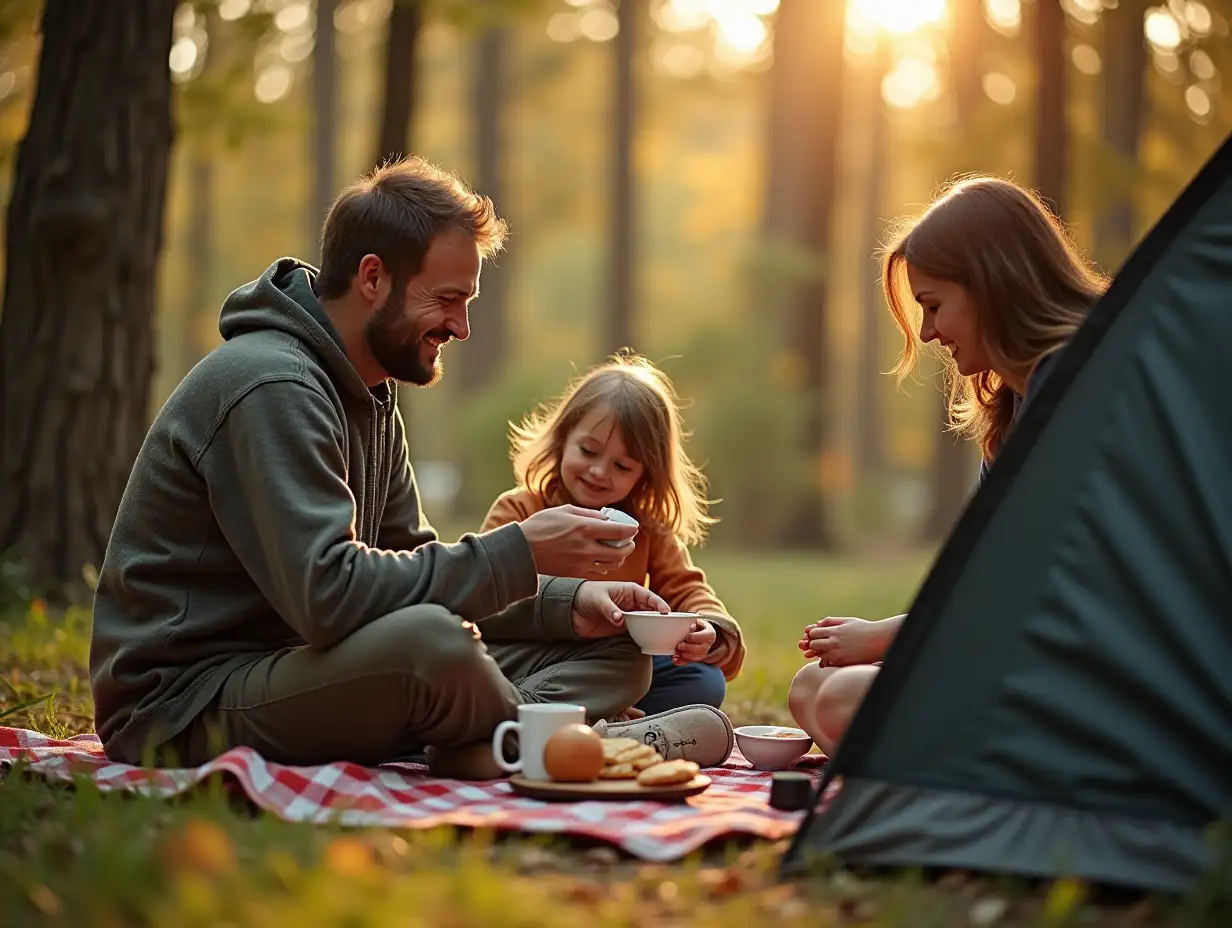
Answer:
(626, 759)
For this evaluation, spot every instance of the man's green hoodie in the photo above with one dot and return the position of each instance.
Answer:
(273, 505)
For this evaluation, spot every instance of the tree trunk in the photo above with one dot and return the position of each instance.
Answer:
(199, 268)
(953, 470)
(398, 87)
(870, 426)
(325, 126)
(805, 111)
(85, 227)
(1051, 127)
(1124, 81)
(619, 332)
(484, 357)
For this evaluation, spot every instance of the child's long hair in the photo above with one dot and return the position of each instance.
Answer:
(1030, 286)
(672, 490)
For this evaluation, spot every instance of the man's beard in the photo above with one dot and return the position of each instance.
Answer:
(397, 347)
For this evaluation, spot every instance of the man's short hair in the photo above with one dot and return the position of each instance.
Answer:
(395, 212)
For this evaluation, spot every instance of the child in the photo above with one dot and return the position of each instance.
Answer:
(1001, 287)
(615, 439)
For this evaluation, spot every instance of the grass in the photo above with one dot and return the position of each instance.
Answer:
(73, 856)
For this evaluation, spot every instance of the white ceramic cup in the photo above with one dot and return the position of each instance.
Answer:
(535, 725)
(623, 518)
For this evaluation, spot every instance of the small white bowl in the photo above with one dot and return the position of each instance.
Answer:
(624, 519)
(765, 751)
(657, 632)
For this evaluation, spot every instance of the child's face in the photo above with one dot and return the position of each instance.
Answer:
(595, 467)
(950, 318)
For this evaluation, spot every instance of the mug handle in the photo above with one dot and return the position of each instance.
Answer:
(498, 746)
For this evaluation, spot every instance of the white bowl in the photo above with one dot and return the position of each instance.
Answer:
(764, 751)
(624, 519)
(657, 632)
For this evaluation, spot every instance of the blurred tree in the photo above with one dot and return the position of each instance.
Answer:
(804, 124)
(85, 231)
(215, 112)
(325, 119)
(619, 331)
(1122, 119)
(1051, 124)
(870, 424)
(399, 84)
(18, 48)
(952, 472)
(487, 351)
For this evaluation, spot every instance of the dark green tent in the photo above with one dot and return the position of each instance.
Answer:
(1059, 700)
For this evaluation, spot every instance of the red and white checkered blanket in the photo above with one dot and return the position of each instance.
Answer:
(404, 796)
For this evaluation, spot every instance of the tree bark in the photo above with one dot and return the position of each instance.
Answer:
(1124, 82)
(399, 84)
(325, 124)
(953, 470)
(485, 355)
(805, 120)
(619, 332)
(1051, 127)
(85, 226)
(870, 425)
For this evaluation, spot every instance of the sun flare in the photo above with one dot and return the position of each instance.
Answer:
(900, 17)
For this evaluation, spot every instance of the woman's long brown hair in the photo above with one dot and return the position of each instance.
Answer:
(1030, 285)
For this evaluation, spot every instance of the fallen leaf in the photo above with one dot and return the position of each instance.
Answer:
(45, 900)
(721, 882)
(601, 857)
(988, 911)
(348, 857)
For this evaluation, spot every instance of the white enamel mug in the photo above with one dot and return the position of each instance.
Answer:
(535, 724)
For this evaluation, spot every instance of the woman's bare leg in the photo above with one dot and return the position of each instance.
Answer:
(837, 701)
(802, 698)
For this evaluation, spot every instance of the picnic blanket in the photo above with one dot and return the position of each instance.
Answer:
(405, 796)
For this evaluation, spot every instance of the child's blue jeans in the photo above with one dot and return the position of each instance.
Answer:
(689, 684)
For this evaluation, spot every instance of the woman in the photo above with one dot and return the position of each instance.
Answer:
(990, 275)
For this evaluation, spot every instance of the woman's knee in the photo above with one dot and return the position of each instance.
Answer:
(840, 696)
(802, 694)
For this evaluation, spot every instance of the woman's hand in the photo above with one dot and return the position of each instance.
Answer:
(837, 641)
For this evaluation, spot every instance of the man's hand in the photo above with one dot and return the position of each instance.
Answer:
(567, 541)
(598, 607)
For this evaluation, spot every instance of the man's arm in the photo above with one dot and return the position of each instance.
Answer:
(275, 472)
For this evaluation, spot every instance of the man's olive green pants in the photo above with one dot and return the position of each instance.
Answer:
(416, 677)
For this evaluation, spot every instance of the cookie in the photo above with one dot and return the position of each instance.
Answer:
(614, 746)
(649, 761)
(668, 773)
(641, 752)
(617, 772)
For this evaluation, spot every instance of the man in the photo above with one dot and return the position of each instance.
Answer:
(270, 580)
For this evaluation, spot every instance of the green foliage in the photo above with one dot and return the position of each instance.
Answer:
(746, 421)
(481, 432)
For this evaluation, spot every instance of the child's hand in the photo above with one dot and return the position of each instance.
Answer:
(696, 644)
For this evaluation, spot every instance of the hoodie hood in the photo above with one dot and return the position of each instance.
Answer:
(282, 299)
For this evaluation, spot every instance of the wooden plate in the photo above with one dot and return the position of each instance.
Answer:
(607, 789)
